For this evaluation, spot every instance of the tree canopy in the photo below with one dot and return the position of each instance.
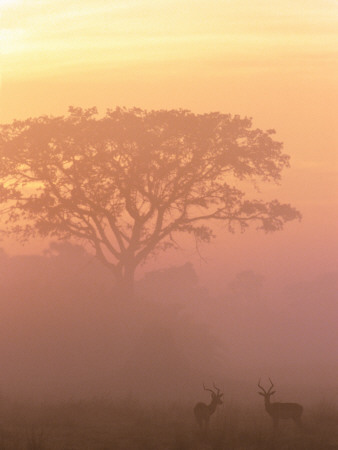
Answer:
(129, 181)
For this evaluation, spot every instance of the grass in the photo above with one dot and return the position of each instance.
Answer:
(108, 425)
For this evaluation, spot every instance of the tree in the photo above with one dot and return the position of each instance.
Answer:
(128, 182)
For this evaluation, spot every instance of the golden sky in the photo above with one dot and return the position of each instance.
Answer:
(51, 37)
(276, 61)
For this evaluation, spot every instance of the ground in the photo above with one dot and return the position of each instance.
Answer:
(128, 425)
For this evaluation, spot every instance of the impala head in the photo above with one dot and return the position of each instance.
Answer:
(216, 395)
(266, 394)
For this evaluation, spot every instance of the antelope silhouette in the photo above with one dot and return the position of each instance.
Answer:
(279, 410)
(203, 411)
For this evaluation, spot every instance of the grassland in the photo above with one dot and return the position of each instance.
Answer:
(128, 425)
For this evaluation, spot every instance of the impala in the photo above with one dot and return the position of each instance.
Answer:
(203, 411)
(279, 410)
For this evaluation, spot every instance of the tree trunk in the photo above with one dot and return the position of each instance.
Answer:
(125, 283)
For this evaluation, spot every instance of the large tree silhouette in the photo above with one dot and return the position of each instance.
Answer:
(129, 181)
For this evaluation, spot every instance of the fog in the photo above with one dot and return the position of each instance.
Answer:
(168, 225)
(65, 335)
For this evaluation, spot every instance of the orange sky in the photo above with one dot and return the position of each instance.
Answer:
(273, 60)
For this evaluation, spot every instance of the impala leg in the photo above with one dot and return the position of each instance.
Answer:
(275, 424)
(200, 423)
(206, 425)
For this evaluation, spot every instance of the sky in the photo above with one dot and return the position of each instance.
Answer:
(273, 61)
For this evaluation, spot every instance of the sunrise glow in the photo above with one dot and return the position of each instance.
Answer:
(163, 253)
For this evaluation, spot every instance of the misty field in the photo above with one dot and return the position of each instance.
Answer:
(123, 425)
(140, 367)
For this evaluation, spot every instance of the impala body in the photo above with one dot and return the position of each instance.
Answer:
(279, 410)
(203, 411)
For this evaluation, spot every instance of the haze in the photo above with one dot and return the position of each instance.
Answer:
(245, 306)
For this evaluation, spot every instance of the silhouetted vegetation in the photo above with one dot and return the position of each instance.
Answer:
(62, 336)
(129, 182)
